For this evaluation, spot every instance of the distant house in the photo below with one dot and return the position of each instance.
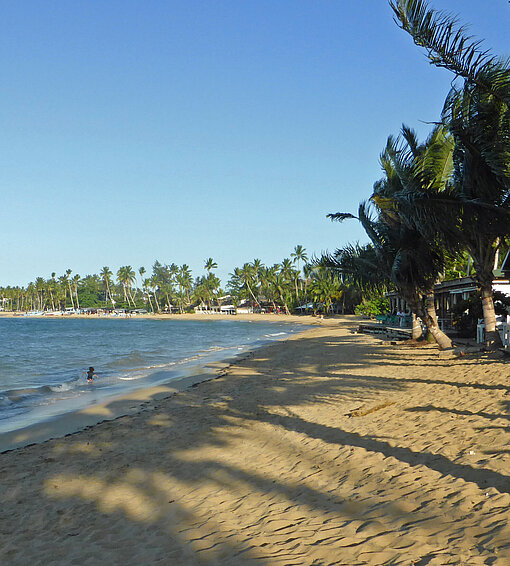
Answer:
(216, 308)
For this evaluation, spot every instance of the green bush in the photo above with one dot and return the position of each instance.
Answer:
(373, 307)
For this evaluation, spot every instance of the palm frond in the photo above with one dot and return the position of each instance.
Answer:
(448, 45)
(340, 216)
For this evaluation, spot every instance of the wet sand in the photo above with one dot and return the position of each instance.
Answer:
(326, 448)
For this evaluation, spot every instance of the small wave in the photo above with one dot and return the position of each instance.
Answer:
(274, 334)
(17, 395)
(132, 359)
(63, 386)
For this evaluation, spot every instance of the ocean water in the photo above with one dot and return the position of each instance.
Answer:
(43, 361)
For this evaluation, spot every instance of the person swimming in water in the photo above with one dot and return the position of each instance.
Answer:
(91, 375)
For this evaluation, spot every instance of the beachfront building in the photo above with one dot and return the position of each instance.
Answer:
(222, 305)
(202, 308)
(450, 293)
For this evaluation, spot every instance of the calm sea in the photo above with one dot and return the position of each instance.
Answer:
(42, 361)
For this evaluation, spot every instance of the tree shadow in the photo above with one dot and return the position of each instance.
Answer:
(461, 412)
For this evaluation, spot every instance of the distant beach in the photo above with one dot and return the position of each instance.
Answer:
(329, 447)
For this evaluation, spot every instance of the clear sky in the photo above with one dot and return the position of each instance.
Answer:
(139, 130)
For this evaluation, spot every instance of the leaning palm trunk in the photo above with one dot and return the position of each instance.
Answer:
(251, 293)
(111, 298)
(156, 300)
(429, 318)
(71, 295)
(432, 325)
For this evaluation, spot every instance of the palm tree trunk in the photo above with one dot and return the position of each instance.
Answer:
(416, 326)
(71, 294)
(150, 302)
(156, 299)
(108, 293)
(433, 327)
(251, 293)
(429, 318)
(492, 337)
(484, 276)
(131, 295)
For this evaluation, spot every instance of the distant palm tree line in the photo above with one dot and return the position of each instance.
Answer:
(449, 197)
(170, 287)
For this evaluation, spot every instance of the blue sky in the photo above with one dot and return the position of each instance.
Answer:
(134, 131)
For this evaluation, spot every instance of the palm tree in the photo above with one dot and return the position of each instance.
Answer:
(185, 281)
(258, 272)
(325, 288)
(299, 254)
(210, 264)
(406, 259)
(106, 276)
(51, 284)
(68, 281)
(126, 276)
(153, 284)
(269, 288)
(76, 280)
(307, 271)
(280, 283)
(145, 285)
(39, 289)
(476, 208)
(248, 279)
(412, 168)
(235, 284)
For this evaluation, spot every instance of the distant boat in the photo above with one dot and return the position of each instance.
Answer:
(34, 313)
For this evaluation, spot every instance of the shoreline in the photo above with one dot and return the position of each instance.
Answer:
(252, 317)
(114, 406)
(329, 447)
(73, 421)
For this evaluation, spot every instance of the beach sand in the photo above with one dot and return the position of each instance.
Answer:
(326, 448)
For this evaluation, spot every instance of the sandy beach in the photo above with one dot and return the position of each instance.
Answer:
(326, 448)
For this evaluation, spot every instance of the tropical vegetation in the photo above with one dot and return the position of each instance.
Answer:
(448, 198)
(293, 285)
